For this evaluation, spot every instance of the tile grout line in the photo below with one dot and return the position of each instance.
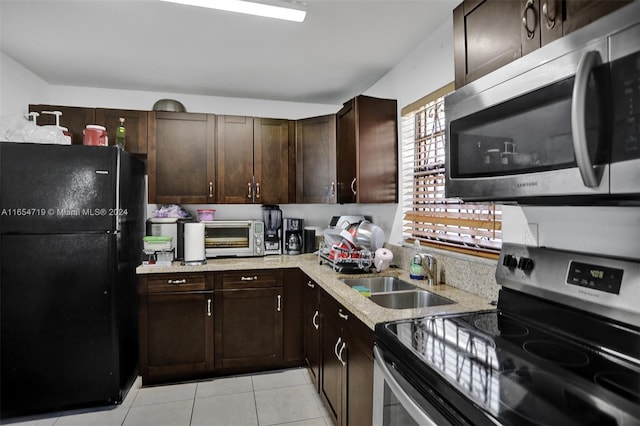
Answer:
(193, 405)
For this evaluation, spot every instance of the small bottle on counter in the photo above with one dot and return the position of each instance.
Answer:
(415, 268)
(121, 133)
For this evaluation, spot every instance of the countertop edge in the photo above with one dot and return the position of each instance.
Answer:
(364, 309)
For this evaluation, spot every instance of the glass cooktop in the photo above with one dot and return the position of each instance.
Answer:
(518, 372)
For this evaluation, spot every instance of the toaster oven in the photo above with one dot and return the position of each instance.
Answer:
(234, 238)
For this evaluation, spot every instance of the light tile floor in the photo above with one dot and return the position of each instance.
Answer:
(272, 398)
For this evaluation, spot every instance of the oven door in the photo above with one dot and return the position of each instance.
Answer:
(229, 238)
(543, 133)
(398, 402)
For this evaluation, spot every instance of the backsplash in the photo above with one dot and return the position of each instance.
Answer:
(471, 274)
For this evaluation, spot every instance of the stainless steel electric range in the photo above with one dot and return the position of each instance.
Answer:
(561, 348)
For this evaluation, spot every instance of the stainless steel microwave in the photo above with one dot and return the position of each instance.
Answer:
(560, 123)
(233, 238)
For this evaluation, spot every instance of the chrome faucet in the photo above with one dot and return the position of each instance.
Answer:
(430, 267)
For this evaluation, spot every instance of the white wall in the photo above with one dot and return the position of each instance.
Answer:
(426, 69)
(18, 88)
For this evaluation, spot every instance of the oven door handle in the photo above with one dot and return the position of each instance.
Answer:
(591, 175)
(403, 398)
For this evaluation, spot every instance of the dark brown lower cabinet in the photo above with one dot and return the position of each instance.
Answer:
(311, 325)
(176, 330)
(249, 319)
(347, 365)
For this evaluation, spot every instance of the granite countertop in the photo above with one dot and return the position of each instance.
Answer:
(367, 311)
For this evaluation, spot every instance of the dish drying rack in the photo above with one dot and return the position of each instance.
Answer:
(345, 260)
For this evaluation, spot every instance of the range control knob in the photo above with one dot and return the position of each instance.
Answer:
(525, 264)
(510, 261)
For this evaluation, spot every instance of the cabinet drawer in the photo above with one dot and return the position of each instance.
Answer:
(334, 309)
(249, 279)
(168, 283)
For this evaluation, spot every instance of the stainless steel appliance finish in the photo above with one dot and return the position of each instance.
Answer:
(557, 123)
(293, 235)
(234, 238)
(562, 347)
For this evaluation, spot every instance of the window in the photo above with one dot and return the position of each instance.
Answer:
(449, 224)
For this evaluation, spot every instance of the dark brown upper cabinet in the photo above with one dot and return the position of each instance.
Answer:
(253, 160)
(491, 33)
(135, 123)
(181, 158)
(367, 151)
(316, 160)
(75, 119)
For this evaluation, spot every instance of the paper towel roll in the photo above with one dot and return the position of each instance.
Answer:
(382, 259)
(194, 242)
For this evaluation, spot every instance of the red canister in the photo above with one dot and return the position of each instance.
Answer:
(95, 135)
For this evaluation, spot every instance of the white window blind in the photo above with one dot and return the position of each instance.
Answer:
(428, 216)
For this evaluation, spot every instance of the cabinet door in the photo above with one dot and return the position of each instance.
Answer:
(249, 327)
(359, 372)
(346, 153)
(176, 335)
(331, 371)
(312, 332)
(377, 158)
(487, 35)
(293, 311)
(316, 160)
(367, 151)
(181, 159)
(73, 118)
(271, 160)
(135, 124)
(579, 13)
(235, 159)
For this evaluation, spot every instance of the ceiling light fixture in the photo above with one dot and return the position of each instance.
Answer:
(241, 6)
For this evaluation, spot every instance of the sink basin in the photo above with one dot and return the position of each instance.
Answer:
(410, 299)
(394, 293)
(380, 284)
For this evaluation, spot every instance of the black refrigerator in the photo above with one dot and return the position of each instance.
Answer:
(71, 222)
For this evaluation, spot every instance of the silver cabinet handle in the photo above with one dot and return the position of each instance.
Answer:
(209, 313)
(249, 278)
(353, 183)
(257, 190)
(335, 348)
(182, 281)
(343, 316)
(590, 175)
(210, 189)
(279, 303)
(332, 191)
(545, 12)
(343, 362)
(311, 284)
(525, 24)
(313, 320)
(249, 190)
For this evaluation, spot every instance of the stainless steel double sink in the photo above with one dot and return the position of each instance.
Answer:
(394, 293)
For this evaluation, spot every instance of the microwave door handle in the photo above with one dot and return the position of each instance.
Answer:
(401, 395)
(590, 175)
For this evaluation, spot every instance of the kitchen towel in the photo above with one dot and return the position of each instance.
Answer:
(194, 242)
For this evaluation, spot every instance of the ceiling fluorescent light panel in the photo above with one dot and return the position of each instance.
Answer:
(279, 10)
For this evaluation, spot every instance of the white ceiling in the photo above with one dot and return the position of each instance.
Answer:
(339, 51)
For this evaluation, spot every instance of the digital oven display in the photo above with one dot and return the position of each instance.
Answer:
(595, 277)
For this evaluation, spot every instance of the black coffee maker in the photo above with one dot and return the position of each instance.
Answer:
(272, 218)
(292, 237)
